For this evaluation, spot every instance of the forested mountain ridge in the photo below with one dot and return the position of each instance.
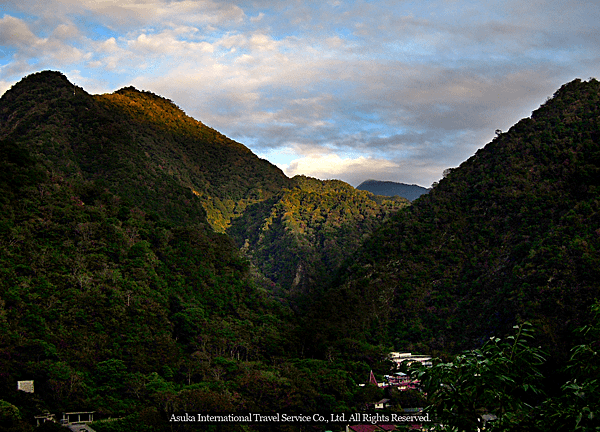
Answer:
(141, 146)
(299, 237)
(512, 234)
(110, 309)
(389, 188)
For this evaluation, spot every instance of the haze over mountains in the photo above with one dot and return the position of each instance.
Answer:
(150, 264)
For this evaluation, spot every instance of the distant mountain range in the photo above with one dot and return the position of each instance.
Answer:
(390, 188)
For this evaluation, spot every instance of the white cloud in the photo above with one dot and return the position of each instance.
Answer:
(334, 42)
(66, 31)
(263, 42)
(332, 166)
(16, 33)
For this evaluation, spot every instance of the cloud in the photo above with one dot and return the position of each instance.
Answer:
(66, 32)
(131, 14)
(168, 43)
(257, 18)
(14, 32)
(420, 85)
(332, 166)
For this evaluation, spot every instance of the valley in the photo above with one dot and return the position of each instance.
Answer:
(152, 266)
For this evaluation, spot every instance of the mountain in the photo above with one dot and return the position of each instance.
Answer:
(389, 188)
(116, 295)
(106, 306)
(300, 236)
(119, 292)
(510, 235)
(139, 145)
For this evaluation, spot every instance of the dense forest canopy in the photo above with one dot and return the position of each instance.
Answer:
(141, 146)
(299, 237)
(118, 292)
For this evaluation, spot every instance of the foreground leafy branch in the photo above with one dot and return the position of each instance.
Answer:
(498, 381)
(499, 386)
(578, 406)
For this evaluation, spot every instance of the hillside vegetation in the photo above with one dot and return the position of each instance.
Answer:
(299, 237)
(141, 146)
(512, 234)
(116, 294)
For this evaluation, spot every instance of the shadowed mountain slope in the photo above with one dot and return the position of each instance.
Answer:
(512, 234)
(116, 296)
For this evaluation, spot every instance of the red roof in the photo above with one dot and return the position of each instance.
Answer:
(372, 379)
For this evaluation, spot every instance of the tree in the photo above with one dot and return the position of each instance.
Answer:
(500, 380)
(11, 418)
(577, 408)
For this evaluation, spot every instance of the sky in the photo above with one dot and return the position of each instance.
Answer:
(352, 90)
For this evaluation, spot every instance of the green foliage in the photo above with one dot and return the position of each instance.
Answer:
(503, 382)
(223, 175)
(298, 238)
(139, 146)
(368, 394)
(401, 399)
(11, 419)
(118, 295)
(577, 408)
(509, 236)
(8, 412)
(112, 308)
(501, 378)
(134, 307)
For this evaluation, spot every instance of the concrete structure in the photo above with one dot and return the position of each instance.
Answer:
(26, 386)
(408, 358)
(382, 404)
(78, 417)
(43, 418)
